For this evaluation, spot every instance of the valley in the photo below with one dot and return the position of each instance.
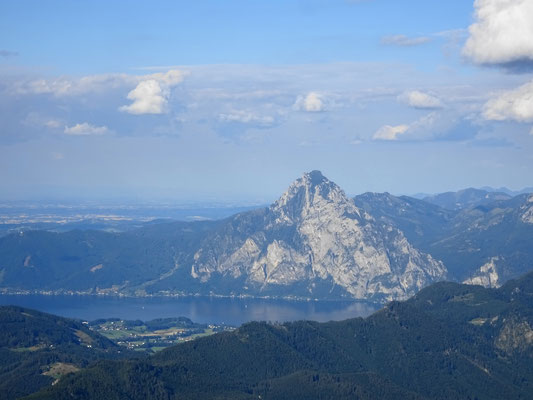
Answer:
(154, 335)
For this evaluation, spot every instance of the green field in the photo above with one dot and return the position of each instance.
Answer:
(155, 335)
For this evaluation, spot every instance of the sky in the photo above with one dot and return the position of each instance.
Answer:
(230, 101)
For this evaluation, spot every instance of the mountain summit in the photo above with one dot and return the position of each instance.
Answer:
(311, 195)
(314, 242)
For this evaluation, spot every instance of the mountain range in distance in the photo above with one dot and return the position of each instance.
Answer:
(486, 189)
(314, 242)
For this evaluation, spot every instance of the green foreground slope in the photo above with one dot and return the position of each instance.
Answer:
(38, 348)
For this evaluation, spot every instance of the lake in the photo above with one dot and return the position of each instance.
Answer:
(229, 311)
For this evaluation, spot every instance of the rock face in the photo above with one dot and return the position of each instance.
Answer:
(487, 275)
(315, 242)
(527, 208)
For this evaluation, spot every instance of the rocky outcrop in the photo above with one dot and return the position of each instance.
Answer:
(486, 275)
(527, 211)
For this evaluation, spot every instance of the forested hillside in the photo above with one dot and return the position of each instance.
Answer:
(38, 348)
(450, 341)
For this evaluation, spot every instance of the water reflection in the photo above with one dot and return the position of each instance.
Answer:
(232, 311)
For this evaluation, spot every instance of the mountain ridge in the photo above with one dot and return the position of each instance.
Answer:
(488, 243)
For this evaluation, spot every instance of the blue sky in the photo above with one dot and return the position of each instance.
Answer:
(232, 100)
(88, 37)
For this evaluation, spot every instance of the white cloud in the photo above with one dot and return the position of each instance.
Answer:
(246, 117)
(169, 78)
(148, 98)
(151, 95)
(86, 129)
(53, 124)
(428, 125)
(502, 33)
(312, 102)
(389, 132)
(65, 86)
(404, 41)
(419, 99)
(514, 105)
(439, 126)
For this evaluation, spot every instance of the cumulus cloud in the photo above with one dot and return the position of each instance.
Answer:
(419, 99)
(86, 129)
(404, 41)
(246, 117)
(514, 105)
(435, 126)
(389, 132)
(312, 102)
(151, 95)
(502, 33)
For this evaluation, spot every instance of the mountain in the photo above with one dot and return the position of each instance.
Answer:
(450, 341)
(37, 348)
(95, 261)
(465, 198)
(485, 244)
(420, 221)
(510, 192)
(314, 242)
(495, 238)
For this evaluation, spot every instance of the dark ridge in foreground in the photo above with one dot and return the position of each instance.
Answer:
(37, 348)
(450, 341)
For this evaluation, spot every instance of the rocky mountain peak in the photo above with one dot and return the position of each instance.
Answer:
(312, 181)
(311, 194)
(315, 178)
